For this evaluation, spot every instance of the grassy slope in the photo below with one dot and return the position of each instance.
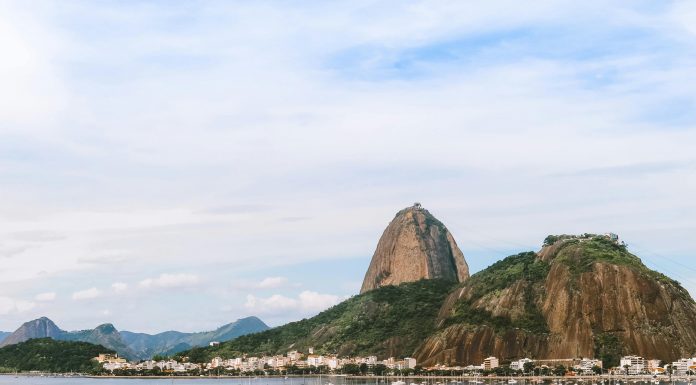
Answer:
(49, 355)
(378, 322)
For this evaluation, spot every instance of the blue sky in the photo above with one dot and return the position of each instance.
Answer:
(178, 165)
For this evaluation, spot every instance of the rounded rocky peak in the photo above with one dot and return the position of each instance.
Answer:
(106, 328)
(414, 246)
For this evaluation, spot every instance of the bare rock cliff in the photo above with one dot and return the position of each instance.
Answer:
(415, 246)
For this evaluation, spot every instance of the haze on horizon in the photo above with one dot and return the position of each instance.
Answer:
(179, 165)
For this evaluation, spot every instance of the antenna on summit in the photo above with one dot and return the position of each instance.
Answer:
(417, 206)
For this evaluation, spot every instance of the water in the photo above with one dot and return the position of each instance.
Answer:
(324, 380)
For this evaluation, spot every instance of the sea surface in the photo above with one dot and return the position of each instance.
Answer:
(39, 380)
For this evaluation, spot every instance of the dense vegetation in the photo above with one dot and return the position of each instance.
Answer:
(377, 322)
(582, 252)
(608, 348)
(525, 268)
(49, 355)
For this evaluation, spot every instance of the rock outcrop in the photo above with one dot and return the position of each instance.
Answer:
(38, 328)
(578, 297)
(415, 246)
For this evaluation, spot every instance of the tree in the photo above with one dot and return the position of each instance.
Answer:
(528, 367)
(379, 369)
(351, 369)
(626, 367)
(596, 370)
(363, 368)
(560, 370)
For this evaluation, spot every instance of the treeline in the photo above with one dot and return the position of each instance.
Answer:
(49, 355)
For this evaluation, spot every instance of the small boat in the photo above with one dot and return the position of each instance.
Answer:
(512, 381)
(398, 383)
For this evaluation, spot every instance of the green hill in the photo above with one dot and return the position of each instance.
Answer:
(387, 321)
(579, 296)
(49, 355)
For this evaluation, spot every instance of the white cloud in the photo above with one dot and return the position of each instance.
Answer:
(90, 293)
(119, 287)
(13, 306)
(171, 281)
(272, 282)
(266, 283)
(11, 251)
(306, 303)
(315, 302)
(45, 297)
(27, 44)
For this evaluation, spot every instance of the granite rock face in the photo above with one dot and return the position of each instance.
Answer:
(580, 297)
(415, 246)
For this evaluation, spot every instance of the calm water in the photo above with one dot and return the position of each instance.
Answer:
(24, 380)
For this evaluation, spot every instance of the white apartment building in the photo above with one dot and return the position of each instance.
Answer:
(586, 364)
(313, 360)
(519, 364)
(217, 362)
(636, 365)
(683, 365)
(333, 363)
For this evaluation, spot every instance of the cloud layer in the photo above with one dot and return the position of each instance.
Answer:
(306, 304)
(175, 149)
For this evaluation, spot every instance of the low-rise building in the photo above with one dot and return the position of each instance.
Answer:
(681, 367)
(519, 364)
(490, 363)
(110, 358)
(586, 365)
(634, 365)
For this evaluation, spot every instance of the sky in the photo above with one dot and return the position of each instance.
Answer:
(181, 164)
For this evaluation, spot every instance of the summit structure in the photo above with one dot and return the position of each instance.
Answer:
(415, 246)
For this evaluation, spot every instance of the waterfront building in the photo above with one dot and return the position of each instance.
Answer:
(636, 365)
(682, 366)
(490, 363)
(519, 364)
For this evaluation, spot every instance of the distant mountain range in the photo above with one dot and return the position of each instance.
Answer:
(133, 345)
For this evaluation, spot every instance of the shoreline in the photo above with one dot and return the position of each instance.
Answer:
(385, 379)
